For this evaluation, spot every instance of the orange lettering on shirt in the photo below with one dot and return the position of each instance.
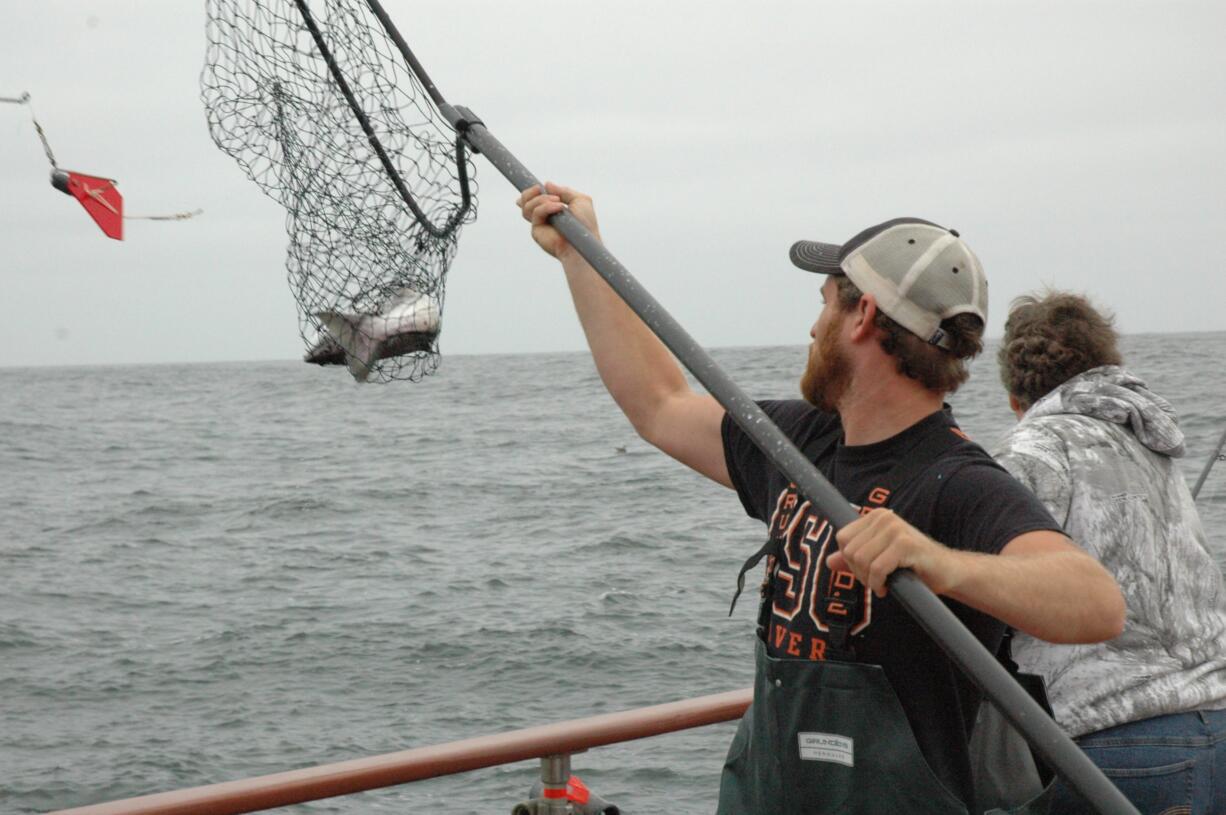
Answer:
(817, 648)
(780, 632)
(793, 642)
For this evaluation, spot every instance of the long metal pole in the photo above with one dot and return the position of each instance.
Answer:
(1048, 740)
(1217, 451)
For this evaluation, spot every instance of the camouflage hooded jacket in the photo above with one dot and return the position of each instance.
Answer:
(1098, 451)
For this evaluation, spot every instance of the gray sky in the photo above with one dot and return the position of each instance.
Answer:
(1079, 144)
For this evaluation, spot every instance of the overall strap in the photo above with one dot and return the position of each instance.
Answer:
(922, 454)
(816, 451)
(911, 465)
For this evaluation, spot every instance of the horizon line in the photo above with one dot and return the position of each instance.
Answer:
(279, 360)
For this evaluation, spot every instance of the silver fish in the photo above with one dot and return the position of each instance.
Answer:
(407, 322)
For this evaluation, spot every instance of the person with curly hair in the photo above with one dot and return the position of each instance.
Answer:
(1099, 450)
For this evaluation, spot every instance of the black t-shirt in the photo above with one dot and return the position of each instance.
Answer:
(963, 499)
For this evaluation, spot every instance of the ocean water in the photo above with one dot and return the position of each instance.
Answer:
(212, 572)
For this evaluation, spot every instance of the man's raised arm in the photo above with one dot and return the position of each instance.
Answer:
(635, 366)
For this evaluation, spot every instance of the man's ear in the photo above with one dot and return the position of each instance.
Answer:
(864, 325)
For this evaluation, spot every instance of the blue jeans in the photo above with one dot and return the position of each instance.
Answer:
(1167, 765)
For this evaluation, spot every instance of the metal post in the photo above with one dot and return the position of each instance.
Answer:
(555, 773)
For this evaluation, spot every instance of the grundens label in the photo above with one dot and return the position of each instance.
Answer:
(829, 747)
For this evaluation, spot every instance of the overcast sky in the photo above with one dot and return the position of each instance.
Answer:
(1078, 144)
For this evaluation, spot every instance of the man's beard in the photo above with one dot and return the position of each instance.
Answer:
(828, 372)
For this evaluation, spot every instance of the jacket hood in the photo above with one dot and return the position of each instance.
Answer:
(1112, 394)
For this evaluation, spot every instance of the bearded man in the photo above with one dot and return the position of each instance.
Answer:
(855, 708)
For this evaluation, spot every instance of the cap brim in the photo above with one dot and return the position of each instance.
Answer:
(812, 256)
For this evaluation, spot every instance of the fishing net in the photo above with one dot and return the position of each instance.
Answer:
(319, 108)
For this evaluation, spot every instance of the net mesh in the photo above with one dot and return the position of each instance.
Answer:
(366, 271)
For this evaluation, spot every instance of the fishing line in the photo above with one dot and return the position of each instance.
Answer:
(1217, 454)
(24, 99)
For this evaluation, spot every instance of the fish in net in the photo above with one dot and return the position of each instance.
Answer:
(316, 104)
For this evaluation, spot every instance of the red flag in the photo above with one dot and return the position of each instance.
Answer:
(99, 196)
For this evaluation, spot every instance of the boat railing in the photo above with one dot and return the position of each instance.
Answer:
(553, 744)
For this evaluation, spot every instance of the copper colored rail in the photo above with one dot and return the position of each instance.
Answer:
(343, 778)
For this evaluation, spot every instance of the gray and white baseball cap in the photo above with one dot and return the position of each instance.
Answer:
(920, 273)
